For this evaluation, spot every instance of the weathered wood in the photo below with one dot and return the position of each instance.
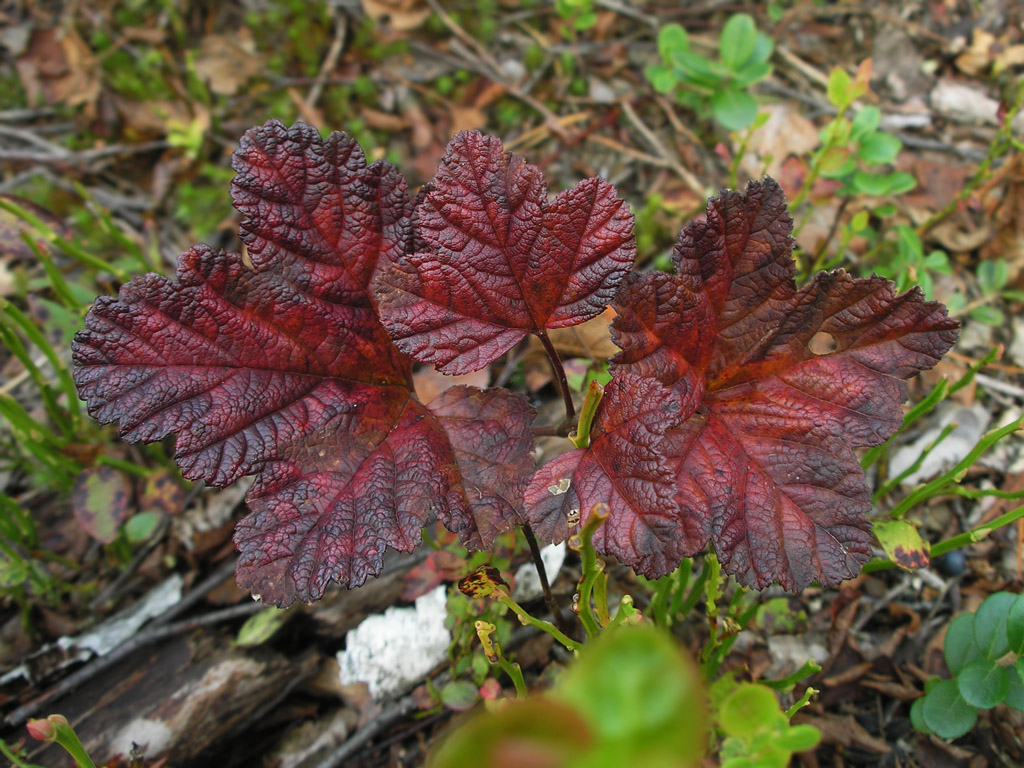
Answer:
(179, 699)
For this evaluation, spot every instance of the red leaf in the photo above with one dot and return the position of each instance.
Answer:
(623, 468)
(284, 371)
(497, 261)
(765, 468)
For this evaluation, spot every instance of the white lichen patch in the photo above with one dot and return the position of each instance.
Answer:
(527, 580)
(393, 651)
(154, 736)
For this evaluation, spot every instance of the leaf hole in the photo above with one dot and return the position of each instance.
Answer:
(822, 343)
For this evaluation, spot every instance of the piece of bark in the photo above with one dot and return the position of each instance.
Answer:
(179, 699)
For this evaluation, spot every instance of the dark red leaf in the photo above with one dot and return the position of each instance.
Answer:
(283, 370)
(499, 260)
(623, 468)
(764, 466)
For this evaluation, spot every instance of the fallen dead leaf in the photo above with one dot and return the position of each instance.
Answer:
(401, 15)
(844, 730)
(57, 67)
(227, 62)
(787, 133)
(430, 383)
(977, 58)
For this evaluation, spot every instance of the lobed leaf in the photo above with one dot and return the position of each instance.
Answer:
(283, 370)
(764, 466)
(498, 261)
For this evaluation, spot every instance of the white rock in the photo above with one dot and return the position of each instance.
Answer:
(527, 580)
(393, 651)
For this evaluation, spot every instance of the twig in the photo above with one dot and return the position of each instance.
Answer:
(491, 69)
(655, 143)
(563, 383)
(330, 60)
(388, 717)
(545, 586)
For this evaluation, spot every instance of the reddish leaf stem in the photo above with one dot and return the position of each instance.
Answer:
(563, 384)
(549, 598)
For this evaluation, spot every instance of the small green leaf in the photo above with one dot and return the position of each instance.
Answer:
(459, 695)
(946, 713)
(662, 79)
(988, 315)
(140, 527)
(859, 222)
(750, 73)
(956, 302)
(260, 627)
(917, 716)
(990, 623)
(101, 500)
(993, 275)
(983, 683)
(838, 84)
(737, 41)
(762, 49)
(879, 149)
(1015, 696)
(938, 261)
(1012, 294)
(874, 184)
(696, 70)
(799, 738)
(734, 109)
(834, 160)
(1015, 626)
(672, 38)
(903, 544)
(865, 123)
(960, 647)
(901, 182)
(749, 709)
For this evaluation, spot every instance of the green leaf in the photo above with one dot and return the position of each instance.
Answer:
(901, 182)
(459, 695)
(1015, 626)
(1015, 696)
(662, 79)
(960, 647)
(751, 708)
(640, 695)
(990, 624)
(737, 41)
(993, 275)
(879, 149)
(838, 84)
(733, 109)
(874, 184)
(1012, 295)
(763, 48)
(671, 39)
(799, 738)
(938, 261)
(101, 501)
(909, 243)
(988, 315)
(946, 713)
(260, 627)
(859, 222)
(750, 73)
(917, 716)
(903, 544)
(983, 683)
(956, 302)
(695, 69)
(140, 527)
(865, 123)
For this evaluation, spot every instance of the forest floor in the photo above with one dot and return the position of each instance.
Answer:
(117, 123)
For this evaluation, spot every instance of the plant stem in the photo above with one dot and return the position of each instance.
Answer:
(492, 650)
(581, 438)
(593, 567)
(544, 626)
(538, 561)
(559, 369)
